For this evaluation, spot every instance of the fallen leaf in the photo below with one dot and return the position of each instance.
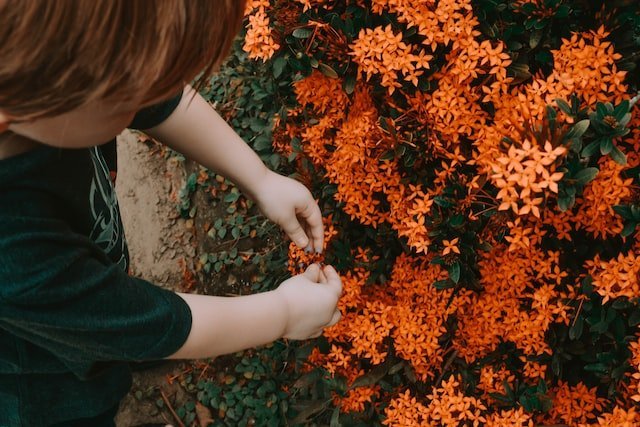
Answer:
(204, 415)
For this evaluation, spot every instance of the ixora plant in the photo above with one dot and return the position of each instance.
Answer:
(478, 165)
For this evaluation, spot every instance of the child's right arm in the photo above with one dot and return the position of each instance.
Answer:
(298, 309)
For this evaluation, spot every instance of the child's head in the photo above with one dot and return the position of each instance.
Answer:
(66, 65)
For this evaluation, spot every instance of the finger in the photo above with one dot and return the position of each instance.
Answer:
(313, 217)
(310, 247)
(333, 278)
(322, 277)
(335, 319)
(312, 273)
(295, 232)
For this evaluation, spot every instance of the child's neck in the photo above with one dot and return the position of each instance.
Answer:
(12, 145)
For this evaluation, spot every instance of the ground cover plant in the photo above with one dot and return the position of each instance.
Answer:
(478, 166)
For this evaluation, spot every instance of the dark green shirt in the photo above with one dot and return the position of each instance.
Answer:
(71, 318)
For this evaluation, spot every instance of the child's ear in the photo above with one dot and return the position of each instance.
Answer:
(4, 122)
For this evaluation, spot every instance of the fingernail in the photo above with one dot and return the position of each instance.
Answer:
(307, 250)
(318, 251)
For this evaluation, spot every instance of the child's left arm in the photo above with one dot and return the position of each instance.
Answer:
(196, 130)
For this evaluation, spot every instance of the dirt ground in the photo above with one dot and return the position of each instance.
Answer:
(159, 244)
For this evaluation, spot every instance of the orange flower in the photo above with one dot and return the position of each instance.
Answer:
(450, 246)
(574, 404)
(259, 42)
(619, 277)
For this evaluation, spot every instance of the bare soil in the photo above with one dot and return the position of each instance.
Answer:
(161, 246)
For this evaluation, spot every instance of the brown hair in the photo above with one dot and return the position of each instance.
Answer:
(55, 55)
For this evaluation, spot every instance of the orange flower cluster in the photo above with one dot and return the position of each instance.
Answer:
(516, 172)
(439, 22)
(524, 173)
(619, 417)
(412, 315)
(497, 315)
(381, 51)
(595, 213)
(510, 418)
(492, 381)
(420, 313)
(405, 410)
(573, 404)
(259, 42)
(357, 398)
(584, 65)
(351, 128)
(449, 406)
(618, 277)
(635, 362)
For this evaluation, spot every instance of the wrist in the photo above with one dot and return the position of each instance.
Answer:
(281, 303)
(255, 188)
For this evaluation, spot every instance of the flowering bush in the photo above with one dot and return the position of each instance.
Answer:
(478, 166)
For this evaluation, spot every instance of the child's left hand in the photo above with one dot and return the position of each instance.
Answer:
(289, 204)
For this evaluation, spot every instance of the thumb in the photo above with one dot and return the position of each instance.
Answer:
(322, 277)
(333, 279)
(312, 273)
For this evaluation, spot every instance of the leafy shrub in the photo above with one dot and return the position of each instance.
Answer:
(478, 166)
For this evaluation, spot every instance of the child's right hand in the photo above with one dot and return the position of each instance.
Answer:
(311, 300)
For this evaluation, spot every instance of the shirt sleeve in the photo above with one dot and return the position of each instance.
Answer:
(62, 293)
(152, 116)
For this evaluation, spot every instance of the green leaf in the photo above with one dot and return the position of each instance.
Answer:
(562, 104)
(595, 367)
(552, 116)
(231, 197)
(565, 203)
(601, 110)
(372, 377)
(580, 128)
(349, 84)
(634, 318)
(545, 403)
(534, 39)
(606, 145)
(335, 418)
(235, 233)
(274, 160)
(629, 229)
(443, 284)
(586, 175)
(302, 33)
(587, 285)
(192, 182)
(575, 332)
(621, 110)
(624, 211)
(278, 65)
(327, 71)
(617, 155)
(591, 148)
(388, 155)
(454, 272)
(624, 121)
(456, 221)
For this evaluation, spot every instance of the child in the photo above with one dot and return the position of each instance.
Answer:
(73, 75)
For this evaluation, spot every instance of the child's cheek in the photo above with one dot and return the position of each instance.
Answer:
(75, 131)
